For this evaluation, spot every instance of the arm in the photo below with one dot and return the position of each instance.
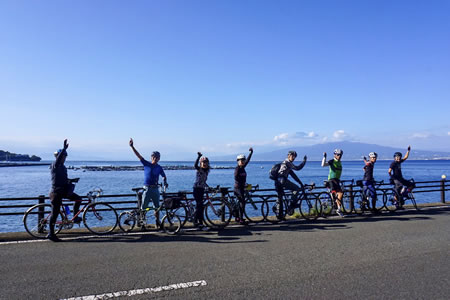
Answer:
(249, 157)
(62, 153)
(293, 175)
(407, 154)
(197, 161)
(134, 150)
(324, 160)
(301, 165)
(389, 171)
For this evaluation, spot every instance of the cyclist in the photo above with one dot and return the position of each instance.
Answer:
(152, 171)
(368, 180)
(199, 187)
(287, 168)
(62, 187)
(395, 173)
(334, 176)
(240, 178)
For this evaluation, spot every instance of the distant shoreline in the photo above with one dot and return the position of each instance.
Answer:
(21, 164)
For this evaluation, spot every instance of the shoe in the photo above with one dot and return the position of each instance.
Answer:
(400, 207)
(290, 211)
(53, 238)
(243, 222)
(339, 212)
(77, 220)
(205, 228)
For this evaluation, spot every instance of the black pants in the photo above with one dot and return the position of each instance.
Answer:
(198, 196)
(56, 200)
(239, 192)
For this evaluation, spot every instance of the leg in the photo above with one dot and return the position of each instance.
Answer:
(240, 195)
(198, 196)
(280, 192)
(296, 191)
(56, 200)
(154, 195)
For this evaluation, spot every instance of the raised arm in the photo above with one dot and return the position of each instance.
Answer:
(249, 157)
(324, 160)
(134, 150)
(61, 154)
(196, 166)
(407, 154)
(301, 165)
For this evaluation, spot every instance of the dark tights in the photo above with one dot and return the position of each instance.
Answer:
(56, 200)
(198, 196)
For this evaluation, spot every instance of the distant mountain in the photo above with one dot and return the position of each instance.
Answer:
(8, 156)
(352, 151)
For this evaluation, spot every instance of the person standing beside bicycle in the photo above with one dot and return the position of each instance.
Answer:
(368, 180)
(334, 176)
(152, 171)
(282, 182)
(62, 187)
(396, 177)
(240, 183)
(199, 187)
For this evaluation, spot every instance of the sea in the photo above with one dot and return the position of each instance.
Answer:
(32, 181)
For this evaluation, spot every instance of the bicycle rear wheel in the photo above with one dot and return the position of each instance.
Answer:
(253, 210)
(100, 218)
(389, 201)
(37, 221)
(347, 206)
(171, 223)
(310, 207)
(413, 200)
(182, 213)
(360, 203)
(270, 211)
(127, 220)
(217, 214)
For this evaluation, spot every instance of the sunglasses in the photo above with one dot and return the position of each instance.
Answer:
(338, 154)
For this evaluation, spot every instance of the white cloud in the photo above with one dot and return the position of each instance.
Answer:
(421, 135)
(448, 133)
(340, 135)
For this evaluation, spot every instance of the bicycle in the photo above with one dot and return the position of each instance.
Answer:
(253, 208)
(98, 217)
(391, 196)
(217, 211)
(328, 199)
(308, 205)
(364, 202)
(170, 223)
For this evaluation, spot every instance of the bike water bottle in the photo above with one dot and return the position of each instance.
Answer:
(67, 208)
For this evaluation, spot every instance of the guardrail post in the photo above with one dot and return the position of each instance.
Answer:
(443, 190)
(41, 212)
(352, 198)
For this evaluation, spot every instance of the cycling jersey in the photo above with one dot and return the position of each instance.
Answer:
(368, 172)
(335, 169)
(397, 169)
(152, 172)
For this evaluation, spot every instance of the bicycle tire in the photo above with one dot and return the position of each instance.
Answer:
(100, 218)
(253, 210)
(127, 221)
(389, 200)
(217, 214)
(310, 208)
(326, 204)
(40, 229)
(347, 206)
(182, 213)
(413, 200)
(270, 211)
(171, 223)
(360, 203)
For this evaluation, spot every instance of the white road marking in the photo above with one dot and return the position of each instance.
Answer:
(130, 293)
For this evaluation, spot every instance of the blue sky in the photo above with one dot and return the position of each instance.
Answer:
(220, 76)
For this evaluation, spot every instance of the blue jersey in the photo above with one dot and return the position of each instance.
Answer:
(152, 172)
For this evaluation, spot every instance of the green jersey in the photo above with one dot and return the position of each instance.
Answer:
(335, 169)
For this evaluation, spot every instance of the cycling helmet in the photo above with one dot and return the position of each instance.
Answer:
(373, 154)
(338, 151)
(57, 152)
(397, 154)
(156, 154)
(292, 152)
(204, 159)
(240, 156)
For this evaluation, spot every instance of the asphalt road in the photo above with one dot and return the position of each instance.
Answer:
(392, 256)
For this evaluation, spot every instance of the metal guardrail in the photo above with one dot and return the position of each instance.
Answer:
(441, 186)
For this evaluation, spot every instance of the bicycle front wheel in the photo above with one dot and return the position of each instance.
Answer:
(100, 218)
(413, 200)
(347, 205)
(182, 213)
(217, 213)
(310, 208)
(171, 223)
(37, 220)
(253, 210)
(127, 221)
(326, 204)
(270, 211)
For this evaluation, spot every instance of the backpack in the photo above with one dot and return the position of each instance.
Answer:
(273, 173)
